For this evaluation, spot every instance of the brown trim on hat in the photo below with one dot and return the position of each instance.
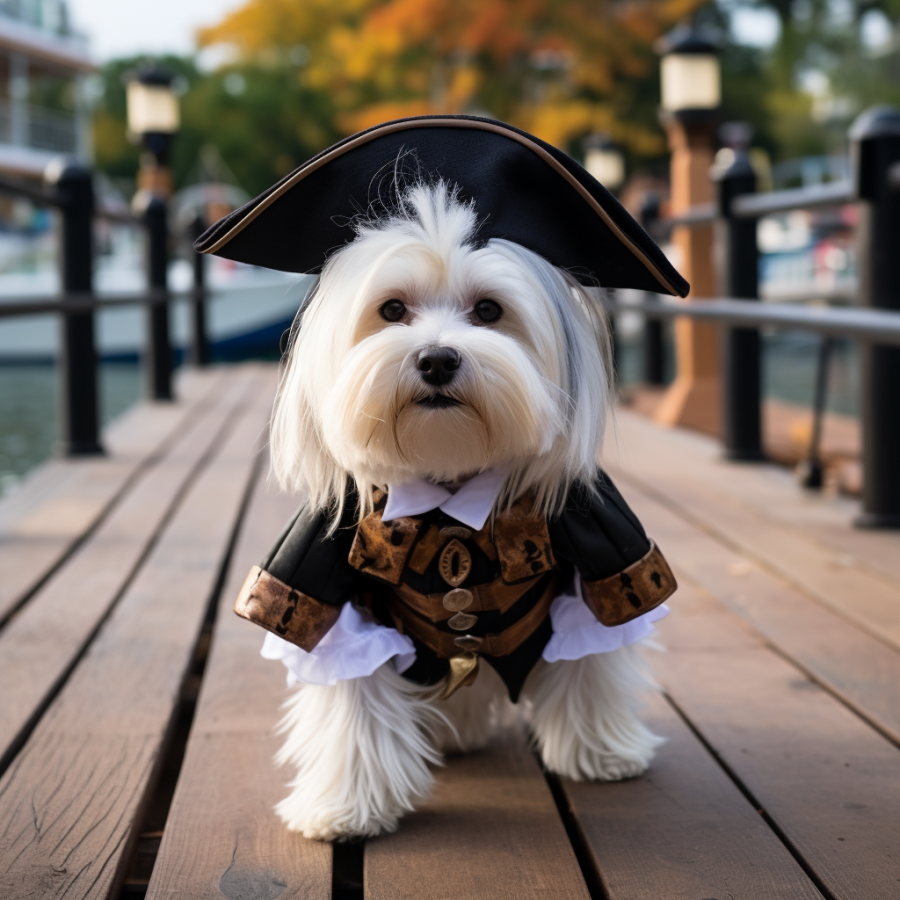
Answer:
(279, 608)
(406, 125)
(633, 592)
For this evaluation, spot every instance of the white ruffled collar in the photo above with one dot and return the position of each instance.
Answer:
(471, 504)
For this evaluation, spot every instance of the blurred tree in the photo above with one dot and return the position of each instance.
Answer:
(821, 71)
(261, 119)
(558, 68)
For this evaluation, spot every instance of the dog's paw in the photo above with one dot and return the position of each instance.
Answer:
(615, 768)
(333, 824)
(599, 765)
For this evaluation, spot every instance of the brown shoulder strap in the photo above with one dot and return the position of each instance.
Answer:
(523, 543)
(380, 548)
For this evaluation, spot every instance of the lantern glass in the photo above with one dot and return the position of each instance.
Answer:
(152, 109)
(690, 81)
(607, 165)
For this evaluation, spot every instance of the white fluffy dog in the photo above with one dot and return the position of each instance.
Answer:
(520, 385)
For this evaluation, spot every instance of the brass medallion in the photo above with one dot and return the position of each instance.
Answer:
(455, 531)
(455, 563)
(462, 621)
(457, 600)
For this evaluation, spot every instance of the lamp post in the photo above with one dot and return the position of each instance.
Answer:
(153, 118)
(604, 159)
(691, 96)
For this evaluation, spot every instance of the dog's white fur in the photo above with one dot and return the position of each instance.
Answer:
(533, 392)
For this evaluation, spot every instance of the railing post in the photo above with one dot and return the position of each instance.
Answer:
(199, 337)
(158, 353)
(79, 419)
(875, 147)
(739, 276)
(653, 328)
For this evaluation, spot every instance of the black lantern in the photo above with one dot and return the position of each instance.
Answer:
(153, 113)
(690, 75)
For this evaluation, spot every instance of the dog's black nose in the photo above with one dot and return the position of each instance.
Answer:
(438, 365)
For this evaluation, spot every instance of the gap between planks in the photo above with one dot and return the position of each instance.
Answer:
(829, 782)
(60, 503)
(859, 668)
(759, 510)
(222, 836)
(46, 638)
(71, 800)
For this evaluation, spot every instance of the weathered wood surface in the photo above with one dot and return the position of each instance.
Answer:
(222, 838)
(807, 539)
(41, 643)
(828, 781)
(64, 499)
(70, 801)
(782, 675)
(683, 831)
(490, 831)
(856, 666)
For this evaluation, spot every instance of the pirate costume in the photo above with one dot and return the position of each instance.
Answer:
(438, 584)
(430, 579)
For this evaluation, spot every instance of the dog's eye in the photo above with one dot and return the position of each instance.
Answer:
(488, 311)
(392, 311)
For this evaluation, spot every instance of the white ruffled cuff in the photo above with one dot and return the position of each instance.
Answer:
(355, 647)
(577, 633)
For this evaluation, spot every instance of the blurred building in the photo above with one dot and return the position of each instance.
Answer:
(44, 65)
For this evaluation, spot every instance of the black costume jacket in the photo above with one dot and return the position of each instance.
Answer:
(454, 591)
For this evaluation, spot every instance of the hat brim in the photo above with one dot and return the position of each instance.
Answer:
(524, 190)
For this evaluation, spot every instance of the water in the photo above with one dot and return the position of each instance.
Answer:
(29, 414)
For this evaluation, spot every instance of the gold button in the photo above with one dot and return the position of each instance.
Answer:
(468, 642)
(455, 531)
(458, 600)
(462, 621)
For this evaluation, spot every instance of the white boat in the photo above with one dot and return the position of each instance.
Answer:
(246, 313)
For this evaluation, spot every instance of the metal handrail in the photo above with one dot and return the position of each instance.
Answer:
(753, 206)
(700, 214)
(68, 304)
(875, 326)
(41, 196)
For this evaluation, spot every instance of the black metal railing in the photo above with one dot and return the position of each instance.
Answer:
(874, 323)
(69, 189)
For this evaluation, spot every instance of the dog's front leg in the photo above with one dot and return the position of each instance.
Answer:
(585, 716)
(361, 749)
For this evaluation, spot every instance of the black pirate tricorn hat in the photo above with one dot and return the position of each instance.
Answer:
(524, 191)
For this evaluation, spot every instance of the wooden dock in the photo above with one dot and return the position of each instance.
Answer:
(136, 714)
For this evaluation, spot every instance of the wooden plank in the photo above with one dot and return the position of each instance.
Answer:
(863, 670)
(745, 506)
(42, 523)
(491, 830)
(829, 782)
(683, 831)
(771, 490)
(222, 836)
(43, 640)
(71, 799)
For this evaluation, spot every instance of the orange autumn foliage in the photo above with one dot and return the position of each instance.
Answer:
(558, 68)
